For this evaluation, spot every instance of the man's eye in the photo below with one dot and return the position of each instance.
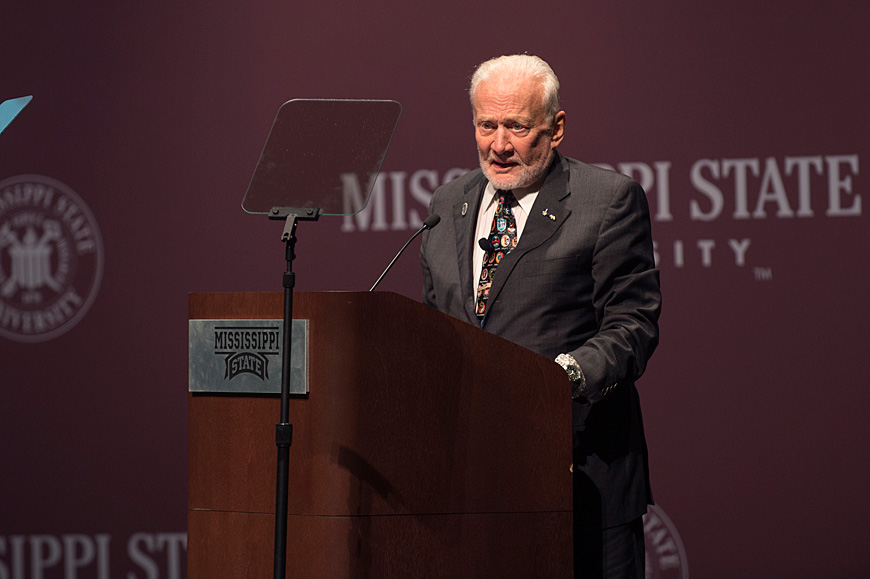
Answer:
(518, 127)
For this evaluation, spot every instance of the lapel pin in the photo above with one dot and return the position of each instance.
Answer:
(546, 213)
(464, 209)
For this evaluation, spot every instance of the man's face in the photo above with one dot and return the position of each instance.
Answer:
(514, 140)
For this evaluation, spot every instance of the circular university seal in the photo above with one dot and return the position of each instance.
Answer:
(665, 554)
(51, 258)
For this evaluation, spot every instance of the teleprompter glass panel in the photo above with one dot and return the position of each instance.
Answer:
(316, 148)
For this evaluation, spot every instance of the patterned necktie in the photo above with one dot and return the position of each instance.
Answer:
(502, 238)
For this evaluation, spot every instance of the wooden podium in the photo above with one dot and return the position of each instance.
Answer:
(425, 448)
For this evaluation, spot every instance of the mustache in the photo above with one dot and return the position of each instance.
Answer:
(493, 159)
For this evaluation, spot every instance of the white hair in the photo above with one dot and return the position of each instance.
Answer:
(521, 66)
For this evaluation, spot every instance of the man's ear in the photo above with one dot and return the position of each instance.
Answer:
(558, 129)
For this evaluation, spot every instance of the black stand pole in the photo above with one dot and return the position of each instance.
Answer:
(284, 430)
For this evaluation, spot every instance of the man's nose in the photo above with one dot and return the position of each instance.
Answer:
(502, 142)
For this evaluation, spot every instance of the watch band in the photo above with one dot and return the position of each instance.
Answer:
(575, 374)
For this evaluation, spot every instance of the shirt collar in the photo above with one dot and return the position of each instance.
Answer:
(526, 202)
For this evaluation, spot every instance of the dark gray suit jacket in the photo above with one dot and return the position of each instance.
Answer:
(582, 281)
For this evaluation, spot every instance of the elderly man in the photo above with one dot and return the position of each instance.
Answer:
(556, 256)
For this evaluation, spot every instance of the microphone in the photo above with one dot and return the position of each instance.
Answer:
(430, 222)
(486, 245)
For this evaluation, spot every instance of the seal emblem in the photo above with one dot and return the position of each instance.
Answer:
(665, 554)
(51, 258)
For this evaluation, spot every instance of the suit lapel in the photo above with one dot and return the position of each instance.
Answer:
(464, 225)
(547, 215)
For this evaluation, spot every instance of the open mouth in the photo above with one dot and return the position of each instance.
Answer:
(502, 165)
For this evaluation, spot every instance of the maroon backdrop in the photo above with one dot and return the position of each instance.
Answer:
(746, 123)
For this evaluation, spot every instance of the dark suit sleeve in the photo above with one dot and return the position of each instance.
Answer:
(626, 295)
(428, 296)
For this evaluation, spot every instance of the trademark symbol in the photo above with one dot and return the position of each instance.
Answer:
(763, 273)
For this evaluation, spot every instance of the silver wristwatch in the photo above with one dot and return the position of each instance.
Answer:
(575, 374)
